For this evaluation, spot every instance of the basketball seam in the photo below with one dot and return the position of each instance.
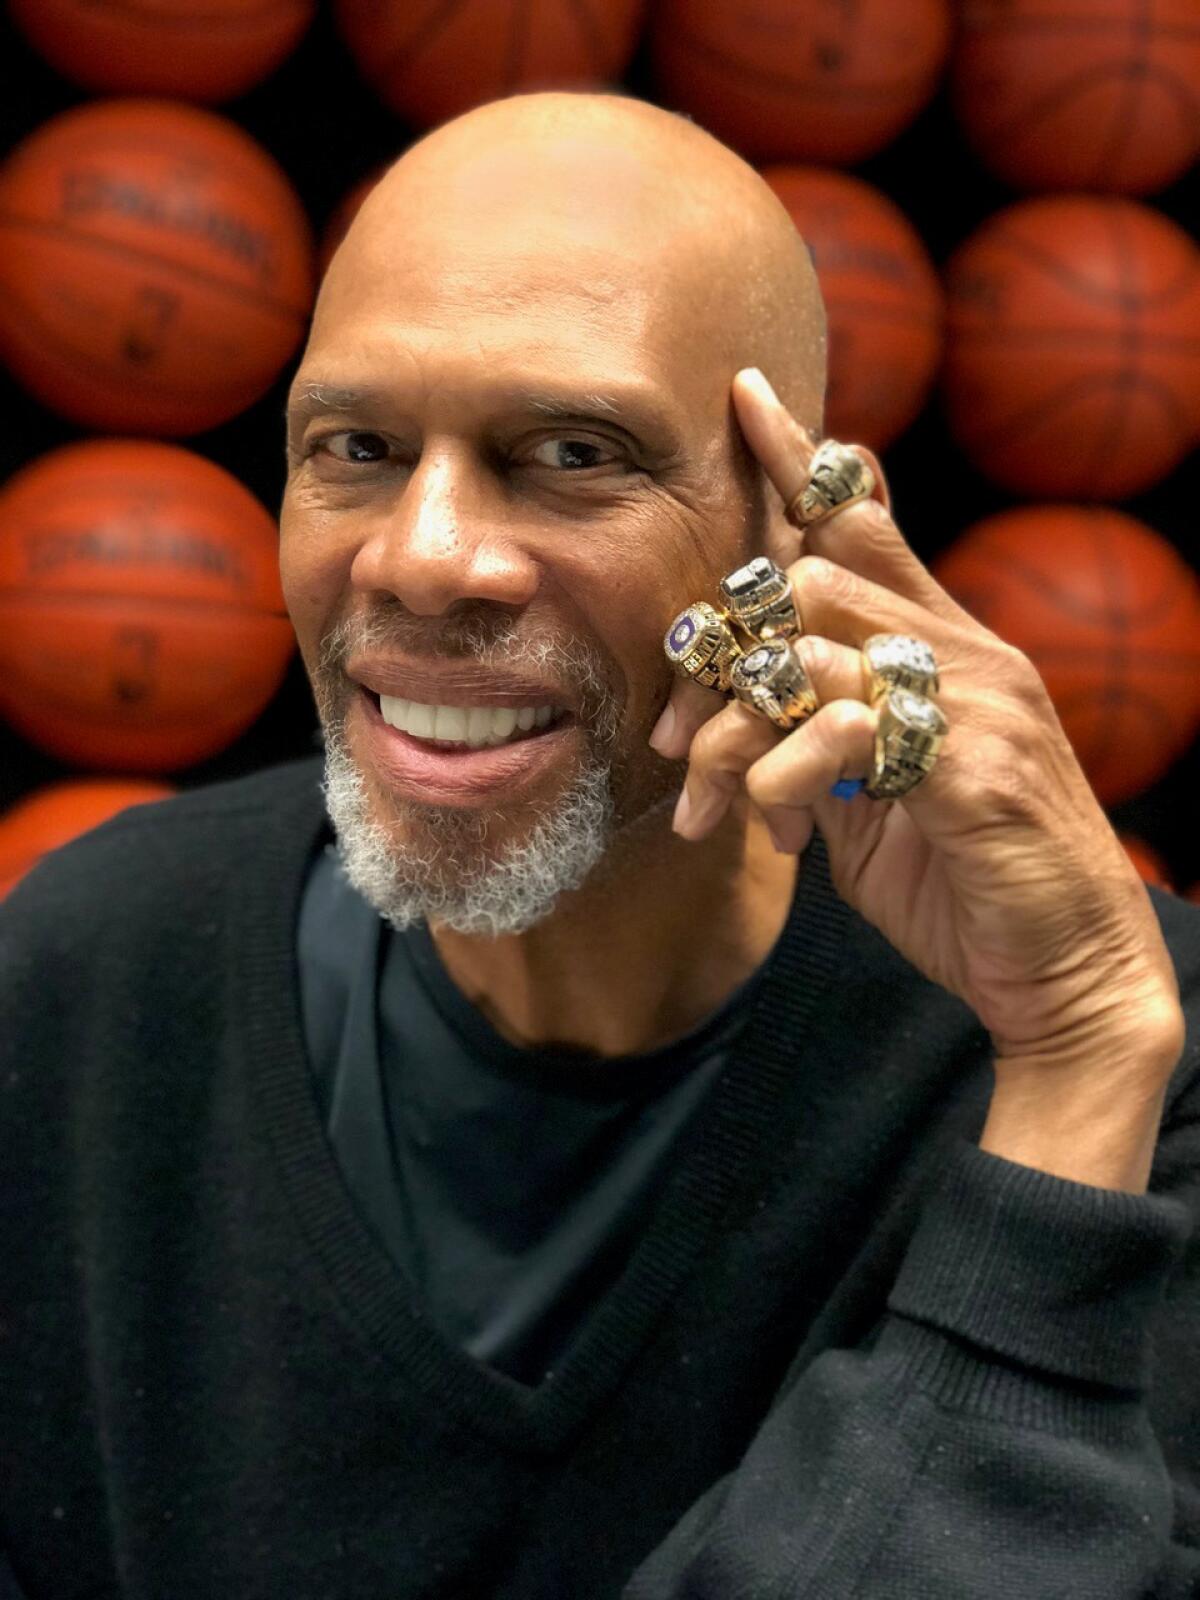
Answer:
(434, 20)
(1150, 613)
(1065, 395)
(140, 256)
(263, 12)
(25, 596)
(147, 381)
(1036, 255)
(592, 34)
(776, 82)
(1026, 119)
(518, 38)
(256, 163)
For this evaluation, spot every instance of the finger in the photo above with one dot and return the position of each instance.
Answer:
(687, 709)
(722, 752)
(783, 446)
(840, 605)
(835, 670)
(837, 742)
(866, 540)
(864, 537)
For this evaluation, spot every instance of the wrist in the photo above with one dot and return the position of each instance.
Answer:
(1093, 1122)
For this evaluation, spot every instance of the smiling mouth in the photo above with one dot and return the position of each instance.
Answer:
(465, 727)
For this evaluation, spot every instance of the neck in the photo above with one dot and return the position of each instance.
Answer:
(659, 937)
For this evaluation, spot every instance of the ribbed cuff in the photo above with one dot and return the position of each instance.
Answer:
(1058, 1276)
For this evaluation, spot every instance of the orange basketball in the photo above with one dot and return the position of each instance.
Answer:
(1081, 94)
(195, 49)
(142, 624)
(429, 61)
(1109, 614)
(155, 266)
(800, 80)
(50, 817)
(340, 219)
(1073, 347)
(1150, 865)
(883, 301)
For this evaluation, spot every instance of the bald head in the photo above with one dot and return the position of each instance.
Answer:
(652, 225)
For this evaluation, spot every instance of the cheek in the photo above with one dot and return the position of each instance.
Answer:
(314, 568)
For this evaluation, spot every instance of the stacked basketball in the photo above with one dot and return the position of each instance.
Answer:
(155, 276)
(981, 190)
(1072, 371)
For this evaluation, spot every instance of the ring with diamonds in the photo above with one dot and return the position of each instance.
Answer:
(837, 478)
(898, 661)
(701, 645)
(908, 741)
(771, 680)
(759, 598)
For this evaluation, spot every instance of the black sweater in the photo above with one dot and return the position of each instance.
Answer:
(852, 1355)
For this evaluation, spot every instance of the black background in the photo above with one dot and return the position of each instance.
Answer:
(327, 130)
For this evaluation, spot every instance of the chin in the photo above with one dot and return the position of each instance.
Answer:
(490, 872)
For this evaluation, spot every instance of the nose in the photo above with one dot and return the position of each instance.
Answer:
(449, 537)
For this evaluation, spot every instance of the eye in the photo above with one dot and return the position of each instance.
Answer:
(360, 449)
(574, 454)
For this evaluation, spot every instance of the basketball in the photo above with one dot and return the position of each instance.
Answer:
(193, 49)
(341, 217)
(1150, 865)
(1072, 363)
(1109, 614)
(155, 267)
(142, 625)
(429, 61)
(800, 80)
(883, 301)
(1081, 94)
(49, 817)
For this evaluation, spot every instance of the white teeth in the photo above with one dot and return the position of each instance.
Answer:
(504, 724)
(450, 722)
(470, 725)
(419, 720)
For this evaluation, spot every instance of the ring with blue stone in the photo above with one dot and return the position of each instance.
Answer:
(701, 645)
(847, 788)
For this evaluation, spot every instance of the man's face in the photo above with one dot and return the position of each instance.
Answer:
(511, 463)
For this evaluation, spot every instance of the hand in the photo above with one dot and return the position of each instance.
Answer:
(999, 876)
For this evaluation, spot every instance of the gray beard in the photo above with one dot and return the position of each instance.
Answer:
(445, 871)
(453, 881)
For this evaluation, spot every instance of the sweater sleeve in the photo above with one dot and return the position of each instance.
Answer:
(993, 1438)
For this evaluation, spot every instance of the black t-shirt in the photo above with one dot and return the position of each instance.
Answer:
(508, 1184)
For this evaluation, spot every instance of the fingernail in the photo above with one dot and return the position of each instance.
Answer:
(694, 819)
(664, 728)
(758, 380)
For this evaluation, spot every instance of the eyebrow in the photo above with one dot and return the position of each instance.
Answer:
(637, 416)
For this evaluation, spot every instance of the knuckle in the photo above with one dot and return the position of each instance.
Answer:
(817, 655)
(818, 578)
(1006, 776)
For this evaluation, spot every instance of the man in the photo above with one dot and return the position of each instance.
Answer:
(528, 1175)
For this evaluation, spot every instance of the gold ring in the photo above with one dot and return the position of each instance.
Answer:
(838, 477)
(898, 661)
(701, 645)
(759, 599)
(908, 742)
(772, 681)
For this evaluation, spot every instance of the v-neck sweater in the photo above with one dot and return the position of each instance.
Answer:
(851, 1354)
